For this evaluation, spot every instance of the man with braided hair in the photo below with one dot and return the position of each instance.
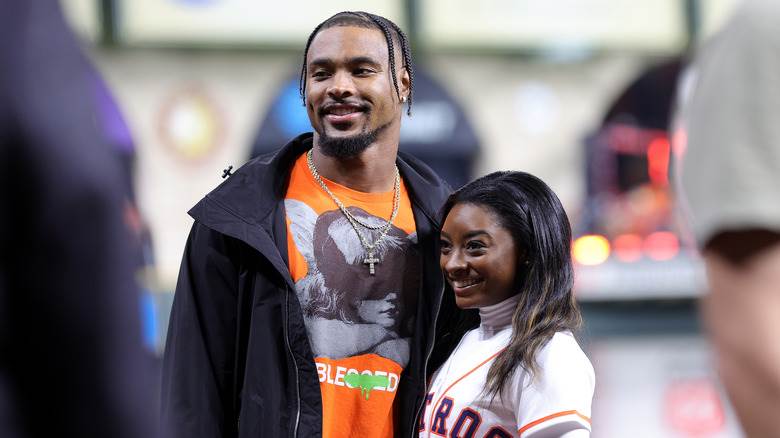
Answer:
(309, 291)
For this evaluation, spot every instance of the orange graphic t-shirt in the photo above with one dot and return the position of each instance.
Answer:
(359, 324)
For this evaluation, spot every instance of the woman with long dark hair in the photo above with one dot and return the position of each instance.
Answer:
(505, 251)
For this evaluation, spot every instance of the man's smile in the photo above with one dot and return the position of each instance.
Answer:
(342, 113)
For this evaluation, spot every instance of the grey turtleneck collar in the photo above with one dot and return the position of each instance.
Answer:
(498, 316)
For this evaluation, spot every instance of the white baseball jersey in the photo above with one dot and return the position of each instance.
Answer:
(555, 403)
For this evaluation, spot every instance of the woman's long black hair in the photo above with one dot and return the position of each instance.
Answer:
(544, 276)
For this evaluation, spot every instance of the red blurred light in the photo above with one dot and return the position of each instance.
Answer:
(627, 247)
(661, 245)
(658, 161)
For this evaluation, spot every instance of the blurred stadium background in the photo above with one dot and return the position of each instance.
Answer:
(578, 92)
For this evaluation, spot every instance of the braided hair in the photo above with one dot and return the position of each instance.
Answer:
(370, 21)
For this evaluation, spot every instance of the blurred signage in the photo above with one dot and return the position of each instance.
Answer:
(630, 243)
(658, 386)
(657, 25)
(208, 22)
(83, 16)
(633, 246)
(693, 407)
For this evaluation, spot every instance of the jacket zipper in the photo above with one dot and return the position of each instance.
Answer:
(427, 358)
(295, 363)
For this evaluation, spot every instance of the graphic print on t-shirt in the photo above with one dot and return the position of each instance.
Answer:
(359, 324)
(347, 310)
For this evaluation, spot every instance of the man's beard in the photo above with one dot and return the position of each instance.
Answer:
(348, 147)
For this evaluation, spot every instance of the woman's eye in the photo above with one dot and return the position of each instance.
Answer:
(474, 246)
(320, 74)
(444, 246)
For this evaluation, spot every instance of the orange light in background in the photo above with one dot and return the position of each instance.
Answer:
(627, 247)
(658, 161)
(590, 249)
(661, 245)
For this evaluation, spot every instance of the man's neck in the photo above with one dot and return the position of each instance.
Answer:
(373, 170)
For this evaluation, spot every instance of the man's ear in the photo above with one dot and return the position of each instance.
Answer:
(404, 84)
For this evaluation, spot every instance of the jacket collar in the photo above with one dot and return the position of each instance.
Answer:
(253, 191)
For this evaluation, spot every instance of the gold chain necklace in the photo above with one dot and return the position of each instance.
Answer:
(370, 258)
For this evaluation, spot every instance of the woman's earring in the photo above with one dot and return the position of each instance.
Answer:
(403, 99)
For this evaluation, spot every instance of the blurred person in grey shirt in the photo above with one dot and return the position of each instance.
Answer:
(72, 363)
(731, 181)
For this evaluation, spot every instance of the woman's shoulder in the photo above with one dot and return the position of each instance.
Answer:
(559, 395)
(562, 362)
(563, 345)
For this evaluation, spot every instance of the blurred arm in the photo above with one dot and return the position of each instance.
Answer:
(742, 313)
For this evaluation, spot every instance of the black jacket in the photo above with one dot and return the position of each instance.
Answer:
(238, 360)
